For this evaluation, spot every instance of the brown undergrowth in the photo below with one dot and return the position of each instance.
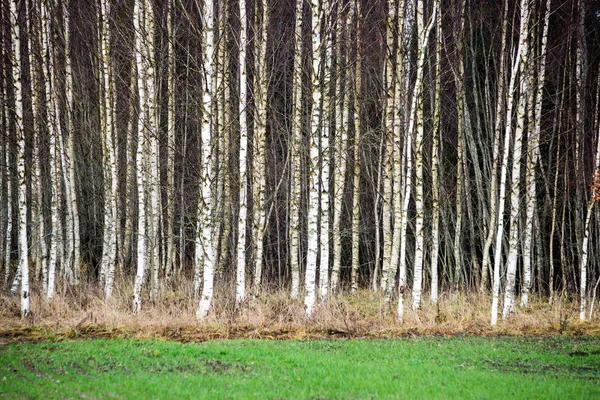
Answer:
(83, 313)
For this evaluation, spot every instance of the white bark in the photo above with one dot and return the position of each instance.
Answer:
(402, 158)
(387, 158)
(511, 268)
(295, 158)
(532, 158)
(240, 282)
(22, 186)
(38, 246)
(9, 219)
(205, 207)
(325, 158)
(579, 121)
(153, 154)
(503, 176)
(259, 163)
(141, 63)
(493, 208)
(314, 172)
(341, 137)
(435, 168)
(419, 199)
(416, 103)
(53, 126)
(109, 246)
(586, 237)
(357, 153)
(170, 234)
(460, 151)
(74, 209)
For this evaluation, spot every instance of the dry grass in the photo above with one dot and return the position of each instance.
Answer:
(83, 312)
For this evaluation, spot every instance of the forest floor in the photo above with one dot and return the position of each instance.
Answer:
(84, 313)
(421, 367)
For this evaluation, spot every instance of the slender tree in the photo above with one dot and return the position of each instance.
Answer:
(314, 154)
(23, 268)
(240, 284)
(205, 235)
(296, 151)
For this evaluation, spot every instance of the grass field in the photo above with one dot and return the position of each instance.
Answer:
(425, 367)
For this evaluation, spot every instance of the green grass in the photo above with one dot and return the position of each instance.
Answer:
(457, 367)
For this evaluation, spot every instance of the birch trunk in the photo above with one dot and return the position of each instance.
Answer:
(511, 268)
(4, 177)
(402, 159)
(419, 200)
(240, 283)
(141, 55)
(205, 207)
(22, 186)
(586, 233)
(391, 114)
(152, 168)
(357, 152)
(532, 158)
(413, 123)
(493, 208)
(261, 87)
(109, 160)
(314, 170)
(224, 145)
(295, 158)
(38, 246)
(9, 212)
(341, 138)
(170, 234)
(68, 162)
(435, 167)
(461, 118)
(68, 243)
(52, 126)
(325, 155)
(503, 176)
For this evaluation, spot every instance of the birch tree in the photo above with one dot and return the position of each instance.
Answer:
(390, 194)
(511, 268)
(461, 111)
(357, 75)
(402, 158)
(504, 165)
(532, 155)
(314, 170)
(493, 202)
(325, 156)
(419, 136)
(206, 238)
(341, 137)
(142, 59)
(52, 127)
(23, 268)
(39, 248)
(295, 157)
(171, 190)
(109, 246)
(240, 283)
(435, 167)
(67, 165)
(415, 111)
(9, 220)
(261, 86)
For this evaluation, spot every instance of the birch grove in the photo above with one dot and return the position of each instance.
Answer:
(318, 148)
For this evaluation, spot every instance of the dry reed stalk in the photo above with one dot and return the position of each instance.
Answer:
(83, 312)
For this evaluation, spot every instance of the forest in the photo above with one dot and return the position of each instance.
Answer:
(417, 149)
